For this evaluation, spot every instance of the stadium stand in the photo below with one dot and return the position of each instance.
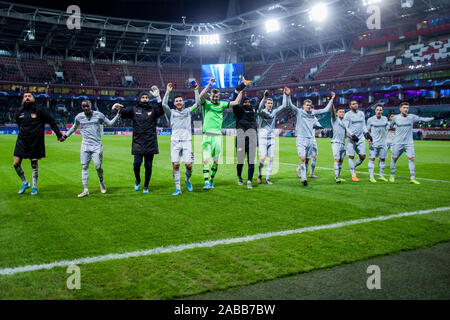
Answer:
(278, 72)
(301, 71)
(109, 75)
(337, 65)
(37, 70)
(9, 69)
(145, 75)
(368, 64)
(77, 73)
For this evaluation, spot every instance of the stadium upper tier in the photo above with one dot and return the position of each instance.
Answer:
(324, 68)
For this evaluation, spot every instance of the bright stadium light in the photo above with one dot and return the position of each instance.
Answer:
(209, 39)
(272, 25)
(369, 2)
(318, 12)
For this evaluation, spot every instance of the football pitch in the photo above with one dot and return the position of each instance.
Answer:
(155, 246)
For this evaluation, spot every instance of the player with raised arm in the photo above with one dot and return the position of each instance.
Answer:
(340, 131)
(390, 135)
(305, 132)
(181, 140)
(246, 136)
(403, 140)
(266, 134)
(90, 123)
(356, 121)
(212, 111)
(30, 143)
(145, 140)
(377, 126)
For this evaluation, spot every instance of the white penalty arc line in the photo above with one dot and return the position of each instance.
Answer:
(362, 172)
(207, 244)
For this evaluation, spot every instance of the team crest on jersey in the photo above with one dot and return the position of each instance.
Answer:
(33, 115)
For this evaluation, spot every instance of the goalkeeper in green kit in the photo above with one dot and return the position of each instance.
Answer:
(212, 112)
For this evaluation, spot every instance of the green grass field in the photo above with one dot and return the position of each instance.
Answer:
(56, 225)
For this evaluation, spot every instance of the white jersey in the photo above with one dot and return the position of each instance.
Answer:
(403, 127)
(316, 124)
(340, 130)
(180, 121)
(267, 120)
(390, 135)
(91, 127)
(378, 130)
(356, 122)
(304, 129)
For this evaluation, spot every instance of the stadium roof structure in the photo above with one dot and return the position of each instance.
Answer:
(242, 36)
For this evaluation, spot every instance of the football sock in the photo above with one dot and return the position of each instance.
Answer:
(412, 169)
(34, 175)
(393, 169)
(188, 174)
(382, 165)
(21, 174)
(176, 178)
(85, 176)
(313, 165)
(371, 166)
(351, 165)
(269, 170)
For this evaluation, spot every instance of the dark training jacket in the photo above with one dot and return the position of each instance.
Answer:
(144, 118)
(30, 141)
(245, 117)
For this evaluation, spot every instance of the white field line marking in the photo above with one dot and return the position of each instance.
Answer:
(362, 172)
(207, 244)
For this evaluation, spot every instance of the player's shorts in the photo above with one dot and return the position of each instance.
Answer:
(339, 150)
(212, 146)
(246, 144)
(315, 149)
(91, 152)
(305, 148)
(356, 147)
(398, 149)
(181, 150)
(266, 147)
(388, 145)
(379, 151)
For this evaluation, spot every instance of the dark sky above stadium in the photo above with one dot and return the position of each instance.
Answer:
(162, 10)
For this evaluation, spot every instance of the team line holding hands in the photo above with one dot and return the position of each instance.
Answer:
(255, 127)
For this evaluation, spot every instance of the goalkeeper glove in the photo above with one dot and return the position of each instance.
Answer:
(368, 136)
(154, 91)
(355, 138)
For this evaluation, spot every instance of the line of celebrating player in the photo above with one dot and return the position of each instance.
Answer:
(255, 126)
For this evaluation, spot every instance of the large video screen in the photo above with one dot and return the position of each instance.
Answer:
(226, 75)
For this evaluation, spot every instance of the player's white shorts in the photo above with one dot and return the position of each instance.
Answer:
(356, 147)
(379, 151)
(266, 147)
(305, 147)
(181, 150)
(388, 145)
(398, 149)
(89, 152)
(315, 149)
(339, 150)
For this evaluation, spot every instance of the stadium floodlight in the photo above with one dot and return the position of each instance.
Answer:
(318, 13)
(370, 2)
(209, 39)
(272, 25)
(101, 42)
(30, 35)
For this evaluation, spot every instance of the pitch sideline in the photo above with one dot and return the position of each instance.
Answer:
(207, 244)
